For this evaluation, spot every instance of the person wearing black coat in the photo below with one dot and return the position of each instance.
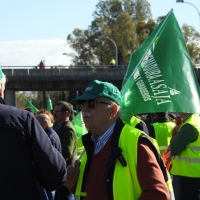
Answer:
(27, 155)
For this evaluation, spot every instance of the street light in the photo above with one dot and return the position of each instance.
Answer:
(182, 1)
(102, 37)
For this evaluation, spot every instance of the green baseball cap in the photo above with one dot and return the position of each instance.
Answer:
(98, 88)
(1, 73)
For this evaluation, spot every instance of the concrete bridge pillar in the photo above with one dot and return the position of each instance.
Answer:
(10, 97)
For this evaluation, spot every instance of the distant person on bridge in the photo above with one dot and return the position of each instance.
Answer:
(42, 65)
(112, 62)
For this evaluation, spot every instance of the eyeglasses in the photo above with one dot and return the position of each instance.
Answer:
(91, 103)
(57, 111)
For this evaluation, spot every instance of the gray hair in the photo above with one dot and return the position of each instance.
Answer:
(2, 83)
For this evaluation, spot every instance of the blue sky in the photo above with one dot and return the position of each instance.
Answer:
(35, 30)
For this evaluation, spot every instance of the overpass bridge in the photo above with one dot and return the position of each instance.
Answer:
(60, 79)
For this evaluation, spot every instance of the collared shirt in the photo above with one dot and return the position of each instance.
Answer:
(56, 127)
(101, 141)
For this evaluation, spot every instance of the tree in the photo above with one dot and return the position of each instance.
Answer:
(124, 21)
(128, 23)
(191, 38)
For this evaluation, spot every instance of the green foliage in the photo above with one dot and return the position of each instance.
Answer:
(39, 98)
(191, 37)
(128, 23)
(124, 21)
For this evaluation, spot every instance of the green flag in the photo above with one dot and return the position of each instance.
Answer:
(49, 104)
(160, 75)
(79, 125)
(80, 128)
(30, 105)
(1, 72)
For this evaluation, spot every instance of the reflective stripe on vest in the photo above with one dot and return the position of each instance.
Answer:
(187, 162)
(163, 134)
(162, 147)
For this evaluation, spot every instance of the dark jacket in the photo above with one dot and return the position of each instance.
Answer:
(55, 140)
(67, 135)
(27, 156)
(115, 154)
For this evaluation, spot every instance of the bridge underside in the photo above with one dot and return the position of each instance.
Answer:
(54, 85)
(60, 79)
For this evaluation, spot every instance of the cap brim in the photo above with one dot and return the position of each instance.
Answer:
(83, 98)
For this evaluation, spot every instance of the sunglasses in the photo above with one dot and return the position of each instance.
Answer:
(91, 103)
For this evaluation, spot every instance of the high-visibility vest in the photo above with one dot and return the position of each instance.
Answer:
(187, 163)
(135, 120)
(112, 62)
(128, 183)
(163, 134)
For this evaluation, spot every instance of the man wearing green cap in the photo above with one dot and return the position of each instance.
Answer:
(27, 155)
(119, 161)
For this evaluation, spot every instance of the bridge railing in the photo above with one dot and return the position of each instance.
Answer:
(65, 74)
(64, 67)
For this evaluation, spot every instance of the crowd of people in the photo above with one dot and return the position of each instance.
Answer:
(154, 157)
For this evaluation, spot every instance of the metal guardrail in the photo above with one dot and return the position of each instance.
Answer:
(65, 67)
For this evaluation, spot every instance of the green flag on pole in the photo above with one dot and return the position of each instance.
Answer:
(80, 128)
(160, 76)
(79, 125)
(49, 104)
(30, 105)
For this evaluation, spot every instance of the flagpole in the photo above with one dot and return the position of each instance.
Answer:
(163, 22)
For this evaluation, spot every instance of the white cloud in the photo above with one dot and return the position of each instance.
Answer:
(31, 52)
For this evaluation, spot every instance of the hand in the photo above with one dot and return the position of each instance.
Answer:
(72, 175)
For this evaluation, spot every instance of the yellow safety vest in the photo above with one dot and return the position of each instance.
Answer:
(112, 62)
(134, 121)
(128, 183)
(163, 134)
(187, 163)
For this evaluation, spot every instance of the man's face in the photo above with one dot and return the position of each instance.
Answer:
(96, 114)
(59, 115)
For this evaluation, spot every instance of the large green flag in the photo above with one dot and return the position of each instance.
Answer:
(30, 105)
(160, 75)
(49, 104)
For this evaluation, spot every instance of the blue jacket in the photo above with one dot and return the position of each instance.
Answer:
(27, 156)
(54, 138)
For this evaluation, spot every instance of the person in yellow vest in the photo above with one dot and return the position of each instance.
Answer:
(161, 130)
(112, 62)
(119, 161)
(138, 123)
(185, 150)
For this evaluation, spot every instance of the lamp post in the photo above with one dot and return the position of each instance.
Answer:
(116, 57)
(182, 1)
